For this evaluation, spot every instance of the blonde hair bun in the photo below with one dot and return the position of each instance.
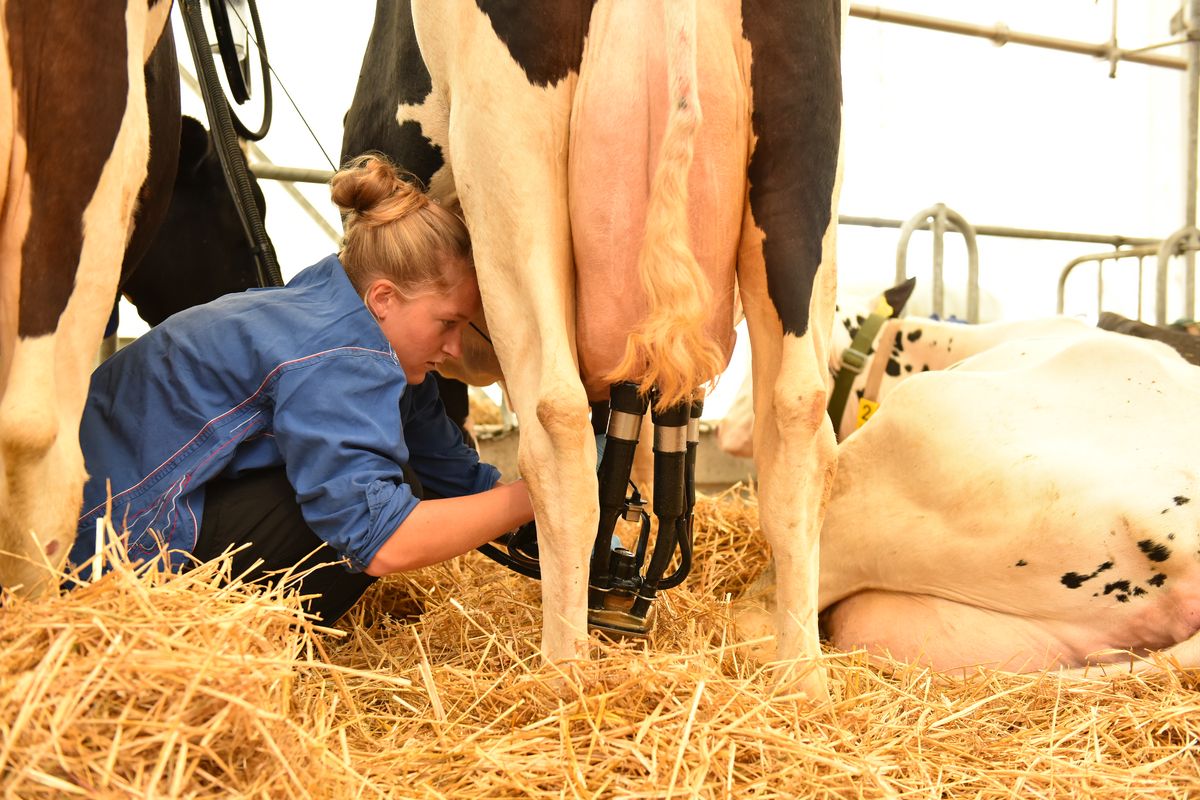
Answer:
(394, 230)
(371, 190)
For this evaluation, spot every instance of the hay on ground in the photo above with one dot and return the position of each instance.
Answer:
(144, 684)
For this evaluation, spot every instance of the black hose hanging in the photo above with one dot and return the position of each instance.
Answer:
(233, 161)
(237, 80)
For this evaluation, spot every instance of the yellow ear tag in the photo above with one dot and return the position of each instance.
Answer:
(865, 409)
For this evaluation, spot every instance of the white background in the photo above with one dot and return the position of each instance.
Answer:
(1012, 136)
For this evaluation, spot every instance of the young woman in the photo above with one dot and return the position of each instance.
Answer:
(293, 417)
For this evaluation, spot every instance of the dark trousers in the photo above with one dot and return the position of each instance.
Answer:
(259, 508)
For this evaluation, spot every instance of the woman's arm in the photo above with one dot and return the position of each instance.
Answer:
(437, 530)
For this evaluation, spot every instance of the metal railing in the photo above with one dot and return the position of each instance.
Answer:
(938, 219)
(1182, 244)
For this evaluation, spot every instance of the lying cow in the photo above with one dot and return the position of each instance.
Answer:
(74, 137)
(897, 349)
(1034, 506)
(616, 163)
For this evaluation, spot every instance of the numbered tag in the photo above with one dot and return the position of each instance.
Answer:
(865, 409)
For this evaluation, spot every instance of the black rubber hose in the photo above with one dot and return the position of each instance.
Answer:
(522, 566)
(233, 162)
(233, 72)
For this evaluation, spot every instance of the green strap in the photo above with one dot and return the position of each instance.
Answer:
(854, 358)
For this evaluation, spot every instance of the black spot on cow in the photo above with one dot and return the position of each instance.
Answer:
(1158, 580)
(392, 75)
(1073, 580)
(1116, 586)
(1171, 536)
(1138, 591)
(914, 335)
(795, 78)
(545, 39)
(1122, 598)
(893, 368)
(1022, 563)
(1154, 551)
(898, 343)
(1181, 500)
(908, 368)
(155, 196)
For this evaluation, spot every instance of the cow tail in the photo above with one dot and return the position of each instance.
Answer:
(670, 348)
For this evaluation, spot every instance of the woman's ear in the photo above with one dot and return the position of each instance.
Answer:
(379, 296)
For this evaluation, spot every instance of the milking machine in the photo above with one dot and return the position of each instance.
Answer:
(623, 582)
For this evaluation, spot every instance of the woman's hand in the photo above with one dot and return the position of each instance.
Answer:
(437, 530)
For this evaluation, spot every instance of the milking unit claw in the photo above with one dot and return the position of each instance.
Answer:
(621, 584)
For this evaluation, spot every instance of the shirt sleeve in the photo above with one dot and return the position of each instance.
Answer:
(338, 427)
(437, 452)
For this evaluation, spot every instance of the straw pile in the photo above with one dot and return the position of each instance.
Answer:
(167, 686)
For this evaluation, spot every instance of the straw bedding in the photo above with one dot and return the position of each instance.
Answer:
(166, 686)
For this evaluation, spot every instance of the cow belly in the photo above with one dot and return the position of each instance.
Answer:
(948, 635)
(618, 118)
(939, 633)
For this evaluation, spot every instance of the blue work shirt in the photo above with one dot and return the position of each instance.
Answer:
(299, 376)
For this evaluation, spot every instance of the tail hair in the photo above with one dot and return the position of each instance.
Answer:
(670, 349)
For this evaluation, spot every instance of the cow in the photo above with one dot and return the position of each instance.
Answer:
(198, 250)
(1025, 498)
(74, 140)
(619, 165)
(1181, 335)
(898, 348)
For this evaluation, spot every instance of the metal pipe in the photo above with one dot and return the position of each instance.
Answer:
(1192, 21)
(264, 168)
(1001, 35)
(940, 217)
(1013, 233)
(262, 165)
(1139, 252)
(939, 251)
(1183, 241)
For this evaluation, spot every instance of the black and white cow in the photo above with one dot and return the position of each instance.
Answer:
(1026, 496)
(74, 141)
(618, 164)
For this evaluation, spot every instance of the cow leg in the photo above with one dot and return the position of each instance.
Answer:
(63, 235)
(509, 148)
(794, 446)
(556, 454)
(786, 274)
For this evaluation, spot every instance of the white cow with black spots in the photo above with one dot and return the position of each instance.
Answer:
(1035, 505)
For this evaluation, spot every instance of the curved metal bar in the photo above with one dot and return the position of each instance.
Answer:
(939, 217)
(1186, 239)
(1139, 252)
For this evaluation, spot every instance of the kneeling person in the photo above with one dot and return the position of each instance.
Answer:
(292, 417)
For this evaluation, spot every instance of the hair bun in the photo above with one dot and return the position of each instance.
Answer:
(371, 190)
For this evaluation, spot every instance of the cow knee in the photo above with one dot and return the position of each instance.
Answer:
(564, 414)
(800, 414)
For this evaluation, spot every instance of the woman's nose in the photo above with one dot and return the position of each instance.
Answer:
(453, 346)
